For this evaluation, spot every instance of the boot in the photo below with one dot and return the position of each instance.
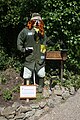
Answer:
(24, 81)
(41, 85)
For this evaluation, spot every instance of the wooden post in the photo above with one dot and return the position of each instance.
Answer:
(27, 83)
(61, 70)
(34, 77)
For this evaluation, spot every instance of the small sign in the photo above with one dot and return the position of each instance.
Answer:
(30, 33)
(28, 91)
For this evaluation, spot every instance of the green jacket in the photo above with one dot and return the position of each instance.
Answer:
(30, 38)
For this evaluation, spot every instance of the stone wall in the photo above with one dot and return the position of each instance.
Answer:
(34, 111)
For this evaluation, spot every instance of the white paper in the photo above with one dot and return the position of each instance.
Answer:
(27, 91)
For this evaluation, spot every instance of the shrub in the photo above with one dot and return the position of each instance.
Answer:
(3, 80)
(7, 62)
(7, 94)
(3, 59)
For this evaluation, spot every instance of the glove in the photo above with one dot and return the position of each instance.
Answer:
(29, 49)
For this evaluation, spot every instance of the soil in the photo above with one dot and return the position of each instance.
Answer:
(11, 80)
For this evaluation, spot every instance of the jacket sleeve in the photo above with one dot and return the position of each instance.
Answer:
(21, 40)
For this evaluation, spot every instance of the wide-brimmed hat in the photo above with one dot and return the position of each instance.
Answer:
(36, 16)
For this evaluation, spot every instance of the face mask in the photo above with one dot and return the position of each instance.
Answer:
(37, 22)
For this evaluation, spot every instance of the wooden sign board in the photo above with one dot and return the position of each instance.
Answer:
(28, 91)
(56, 55)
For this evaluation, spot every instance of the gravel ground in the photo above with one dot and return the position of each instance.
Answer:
(70, 110)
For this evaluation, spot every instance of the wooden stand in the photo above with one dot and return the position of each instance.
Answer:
(58, 55)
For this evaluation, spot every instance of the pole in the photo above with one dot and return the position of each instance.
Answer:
(34, 77)
(27, 83)
(61, 70)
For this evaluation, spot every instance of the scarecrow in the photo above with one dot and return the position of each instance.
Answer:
(32, 42)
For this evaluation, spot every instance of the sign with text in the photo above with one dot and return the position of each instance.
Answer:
(28, 91)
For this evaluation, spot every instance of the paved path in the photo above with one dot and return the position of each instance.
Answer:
(70, 110)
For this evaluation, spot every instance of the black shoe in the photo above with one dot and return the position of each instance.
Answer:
(40, 89)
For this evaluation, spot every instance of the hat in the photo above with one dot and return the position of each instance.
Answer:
(36, 16)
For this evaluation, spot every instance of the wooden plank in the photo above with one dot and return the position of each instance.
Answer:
(48, 58)
(53, 54)
(56, 55)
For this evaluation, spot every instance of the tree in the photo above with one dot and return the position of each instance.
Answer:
(61, 20)
(62, 23)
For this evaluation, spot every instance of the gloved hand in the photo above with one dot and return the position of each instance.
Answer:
(29, 49)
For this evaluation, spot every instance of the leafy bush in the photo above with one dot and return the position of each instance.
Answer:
(14, 63)
(62, 26)
(16, 88)
(3, 80)
(6, 62)
(3, 59)
(7, 94)
(71, 79)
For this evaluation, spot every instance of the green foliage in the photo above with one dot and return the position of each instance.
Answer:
(16, 89)
(7, 94)
(7, 62)
(71, 79)
(39, 97)
(14, 63)
(10, 12)
(3, 59)
(61, 20)
(17, 11)
(77, 82)
(62, 24)
(3, 80)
